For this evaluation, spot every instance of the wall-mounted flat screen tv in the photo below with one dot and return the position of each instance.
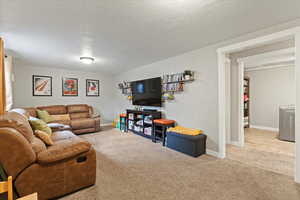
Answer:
(147, 92)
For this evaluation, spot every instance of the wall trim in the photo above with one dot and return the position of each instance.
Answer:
(106, 124)
(241, 76)
(265, 128)
(213, 153)
(236, 143)
(268, 67)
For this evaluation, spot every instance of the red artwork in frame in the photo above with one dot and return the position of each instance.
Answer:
(70, 87)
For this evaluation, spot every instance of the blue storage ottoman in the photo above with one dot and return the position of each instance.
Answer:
(191, 145)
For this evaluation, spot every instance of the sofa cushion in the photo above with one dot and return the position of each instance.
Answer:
(85, 130)
(44, 115)
(59, 127)
(19, 122)
(63, 149)
(55, 125)
(78, 108)
(65, 117)
(185, 131)
(62, 135)
(31, 111)
(79, 115)
(54, 110)
(45, 137)
(65, 122)
(38, 124)
(82, 123)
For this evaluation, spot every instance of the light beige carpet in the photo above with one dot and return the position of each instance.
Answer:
(131, 167)
(263, 149)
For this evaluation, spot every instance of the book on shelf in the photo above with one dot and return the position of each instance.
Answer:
(148, 131)
(140, 122)
(137, 128)
(131, 116)
(173, 78)
(173, 87)
(148, 119)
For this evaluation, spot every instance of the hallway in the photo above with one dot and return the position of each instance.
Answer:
(263, 149)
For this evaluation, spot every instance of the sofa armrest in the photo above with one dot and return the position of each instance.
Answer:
(95, 115)
(63, 150)
(97, 123)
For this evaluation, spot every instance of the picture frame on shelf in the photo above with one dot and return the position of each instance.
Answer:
(69, 86)
(92, 88)
(41, 85)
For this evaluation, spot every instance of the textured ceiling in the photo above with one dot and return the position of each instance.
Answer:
(123, 34)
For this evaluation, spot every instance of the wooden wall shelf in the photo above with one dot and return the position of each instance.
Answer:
(171, 83)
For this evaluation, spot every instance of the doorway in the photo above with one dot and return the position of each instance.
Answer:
(223, 55)
(268, 85)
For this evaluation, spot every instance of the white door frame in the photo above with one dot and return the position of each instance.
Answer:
(240, 114)
(228, 101)
(241, 133)
(222, 56)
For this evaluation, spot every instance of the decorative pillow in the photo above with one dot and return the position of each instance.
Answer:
(55, 125)
(65, 117)
(38, 124)
(44, 115)
(185, 131)
(45, 137)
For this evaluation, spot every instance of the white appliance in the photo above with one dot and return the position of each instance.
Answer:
(287, 123)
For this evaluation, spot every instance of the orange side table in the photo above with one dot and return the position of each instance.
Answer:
(164, 124)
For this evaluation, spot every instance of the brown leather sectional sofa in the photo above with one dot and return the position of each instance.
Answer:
(82, 118)
(51, 171)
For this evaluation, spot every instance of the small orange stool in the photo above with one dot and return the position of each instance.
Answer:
(123, 122)
(164, 124)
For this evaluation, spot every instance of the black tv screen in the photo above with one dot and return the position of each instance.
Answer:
(147, 92)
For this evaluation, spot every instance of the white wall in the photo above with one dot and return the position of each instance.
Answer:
(297, 116)
(235, 98)
(268, 90)
(196, 107)
(23, 89)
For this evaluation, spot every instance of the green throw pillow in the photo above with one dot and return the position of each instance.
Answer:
(44, 115)
(38, 124)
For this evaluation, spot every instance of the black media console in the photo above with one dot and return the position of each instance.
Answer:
(140, 122)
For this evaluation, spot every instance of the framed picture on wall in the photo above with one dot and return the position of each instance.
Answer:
(69, 86)
(92, 88)
(41, 85)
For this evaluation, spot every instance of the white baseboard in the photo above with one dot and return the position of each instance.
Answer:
(235, 143)
(264, 128)
(106, 124)
(214, 153)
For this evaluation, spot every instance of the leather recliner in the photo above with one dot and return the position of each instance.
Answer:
(53, 171)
